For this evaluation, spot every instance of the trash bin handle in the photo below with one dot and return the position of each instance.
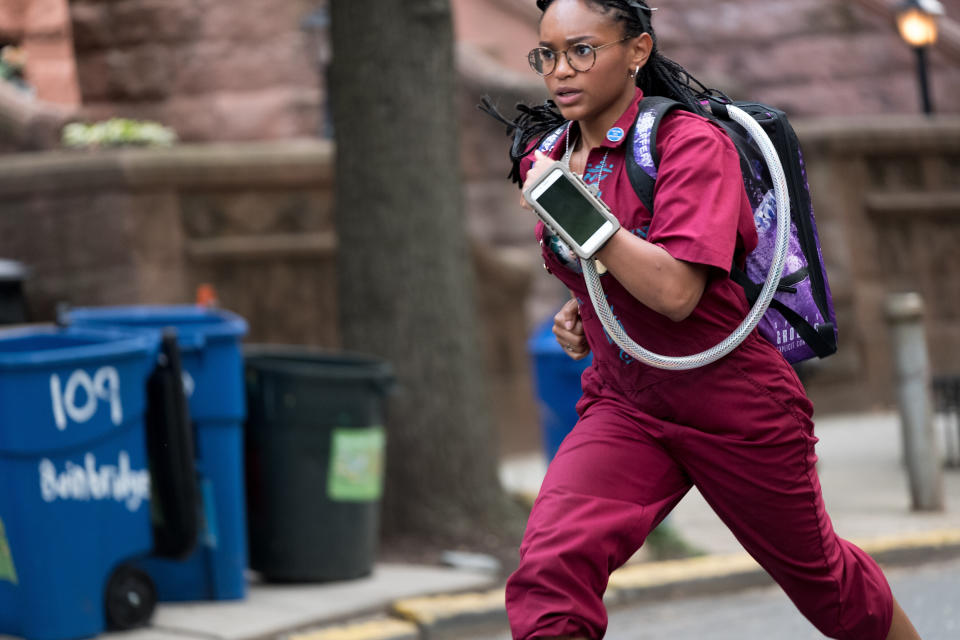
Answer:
(178, 455)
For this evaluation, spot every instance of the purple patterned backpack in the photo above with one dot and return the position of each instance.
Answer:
(800, 321)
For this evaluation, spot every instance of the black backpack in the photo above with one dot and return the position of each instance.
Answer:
(800, 320)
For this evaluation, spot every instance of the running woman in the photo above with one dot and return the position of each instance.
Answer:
(740, 429)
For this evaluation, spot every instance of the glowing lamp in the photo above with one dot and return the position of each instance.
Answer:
(917, 23)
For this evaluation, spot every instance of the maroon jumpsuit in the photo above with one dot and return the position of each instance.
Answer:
(739, 429)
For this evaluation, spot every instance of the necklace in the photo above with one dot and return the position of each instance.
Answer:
(595, 187)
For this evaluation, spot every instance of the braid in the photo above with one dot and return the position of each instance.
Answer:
(529, 129)
(661, 76)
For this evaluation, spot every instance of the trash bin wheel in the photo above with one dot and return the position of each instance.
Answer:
(130, 598)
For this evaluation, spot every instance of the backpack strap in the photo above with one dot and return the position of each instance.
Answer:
(550, 141)
(819, 338)
(642, 157)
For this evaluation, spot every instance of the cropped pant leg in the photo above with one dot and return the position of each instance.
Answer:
(609, 485)
(753, 460)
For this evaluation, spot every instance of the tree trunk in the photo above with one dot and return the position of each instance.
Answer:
(404, 271)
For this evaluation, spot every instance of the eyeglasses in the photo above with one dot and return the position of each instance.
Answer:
(581, 57)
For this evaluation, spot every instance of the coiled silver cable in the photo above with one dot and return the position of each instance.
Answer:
(619, 336)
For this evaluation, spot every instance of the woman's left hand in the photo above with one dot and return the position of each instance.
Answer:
(568, 329)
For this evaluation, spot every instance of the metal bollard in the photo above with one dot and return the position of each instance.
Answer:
(904, 313)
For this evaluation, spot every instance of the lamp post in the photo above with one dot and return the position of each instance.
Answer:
(917, 23)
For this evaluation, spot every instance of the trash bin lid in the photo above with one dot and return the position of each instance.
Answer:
(12, 271)
(31, 347)
(194, 324)
(318, 363)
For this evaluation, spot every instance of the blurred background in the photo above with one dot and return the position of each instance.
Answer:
(255, 219)
(154, 151)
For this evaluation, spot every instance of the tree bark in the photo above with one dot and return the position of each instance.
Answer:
(404, 271)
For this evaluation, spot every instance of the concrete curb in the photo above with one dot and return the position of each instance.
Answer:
(451, 615)
(456, 615)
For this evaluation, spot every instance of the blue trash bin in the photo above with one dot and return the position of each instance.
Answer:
(209, 341)
(557, 384)
(75, 499)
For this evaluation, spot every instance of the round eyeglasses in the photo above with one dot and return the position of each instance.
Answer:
(580, 56)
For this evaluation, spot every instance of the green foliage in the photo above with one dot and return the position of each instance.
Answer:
(12, 62)
(6, 71)
(118, 132)
(666, 543)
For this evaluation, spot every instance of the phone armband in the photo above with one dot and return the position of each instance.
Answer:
(573, 212)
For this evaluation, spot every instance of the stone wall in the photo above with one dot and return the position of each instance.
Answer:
(212, 69)
(137, 226)
(247, 69)
(253, 219)
(887, 197)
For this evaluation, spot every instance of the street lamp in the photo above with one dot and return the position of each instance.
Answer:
(917, 23)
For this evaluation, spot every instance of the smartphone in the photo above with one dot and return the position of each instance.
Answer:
(571, 210)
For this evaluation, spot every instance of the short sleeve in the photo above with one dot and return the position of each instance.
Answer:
(701, 211)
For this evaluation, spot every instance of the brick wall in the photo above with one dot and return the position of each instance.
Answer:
(212, 69)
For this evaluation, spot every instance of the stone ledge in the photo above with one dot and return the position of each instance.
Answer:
(292, 162)
(929, 204)
(896, 134)
(318, 244)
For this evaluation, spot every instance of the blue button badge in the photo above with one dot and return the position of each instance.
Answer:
(615, 135)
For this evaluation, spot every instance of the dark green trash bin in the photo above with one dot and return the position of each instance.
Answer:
(315, 446)
(13, 306)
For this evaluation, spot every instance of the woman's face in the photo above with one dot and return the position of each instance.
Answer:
(586, 95)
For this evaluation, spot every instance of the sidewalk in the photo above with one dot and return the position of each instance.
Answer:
(864, 485)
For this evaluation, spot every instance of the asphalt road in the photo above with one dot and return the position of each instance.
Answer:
(930, 594)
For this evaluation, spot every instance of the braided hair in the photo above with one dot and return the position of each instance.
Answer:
(660, 76)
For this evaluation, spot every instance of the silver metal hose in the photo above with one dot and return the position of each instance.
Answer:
(615, 330)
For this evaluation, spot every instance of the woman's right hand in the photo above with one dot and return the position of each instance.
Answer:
(568, 329)
(540, 164)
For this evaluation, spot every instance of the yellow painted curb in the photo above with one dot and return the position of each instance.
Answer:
(430, 610)
(648, 574)
(908, 541)
(378, 629)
